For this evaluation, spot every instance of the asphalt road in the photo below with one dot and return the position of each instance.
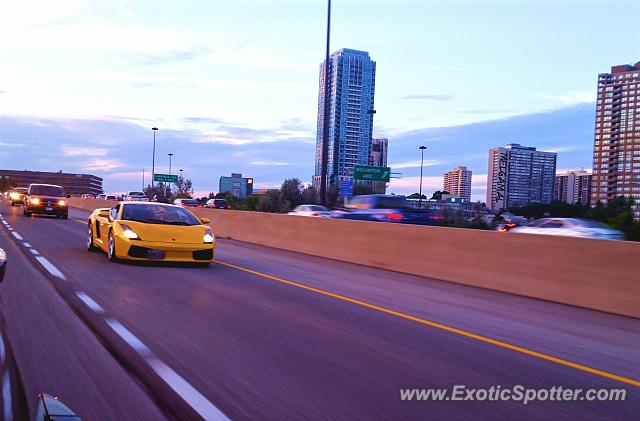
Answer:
(314, 339)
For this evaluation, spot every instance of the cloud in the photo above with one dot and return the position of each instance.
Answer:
(414, 164)
(408, 185)
(268, 163)
(174, 56)
(70, 150)
(571, 98)
(567, 148)
(238, 135)
(432, 97)
(126, 14)
(102, 165)
(37, 12)
(3, 92)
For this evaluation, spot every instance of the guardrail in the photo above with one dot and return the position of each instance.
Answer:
(596, 274)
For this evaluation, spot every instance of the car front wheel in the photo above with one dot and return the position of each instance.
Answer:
(111, 249)
(90, 246)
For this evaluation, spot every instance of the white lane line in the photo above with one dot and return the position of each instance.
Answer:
(89, 302)
(34, 252)
(195, 399)
(50, 267)
(6, 397)
(129, 337)
(9, 228)
(27, 245)
(18, 236)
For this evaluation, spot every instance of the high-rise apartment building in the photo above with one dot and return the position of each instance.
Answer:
(458, 183)
(616, 150)
(352, 76)
(573, 187)
(378, 155)
(518, 176)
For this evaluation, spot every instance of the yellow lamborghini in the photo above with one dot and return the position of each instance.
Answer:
(150, 232)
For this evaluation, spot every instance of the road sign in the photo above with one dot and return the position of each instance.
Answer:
(365, 172)
(165, 178)
(346, 188)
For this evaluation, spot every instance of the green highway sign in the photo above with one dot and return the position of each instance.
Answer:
(365, 172)
(165, 178)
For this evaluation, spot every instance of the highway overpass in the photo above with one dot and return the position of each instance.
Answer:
(267, 333)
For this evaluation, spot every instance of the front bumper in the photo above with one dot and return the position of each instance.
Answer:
(45, 209)
(137, 250)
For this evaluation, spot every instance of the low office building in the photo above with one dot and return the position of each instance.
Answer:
(240, 187)
(74, 184)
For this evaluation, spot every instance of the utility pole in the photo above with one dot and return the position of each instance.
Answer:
(153, 165)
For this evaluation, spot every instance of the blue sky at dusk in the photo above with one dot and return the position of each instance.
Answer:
(232, 85)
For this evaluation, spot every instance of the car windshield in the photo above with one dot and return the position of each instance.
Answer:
(591, 224)
(47, 190)
(190, 201)
(220, 202)
(317, 208)
(136, 193)
(158, 214)
(391, 202)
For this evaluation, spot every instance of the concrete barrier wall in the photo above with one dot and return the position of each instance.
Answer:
(601, 275)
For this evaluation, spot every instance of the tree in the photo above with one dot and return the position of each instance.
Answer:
(416, 196)
(362, 188)
(437, 195)
(159, 189)
(6, 184)
(182, 188)
(309, 195)
(291, 193)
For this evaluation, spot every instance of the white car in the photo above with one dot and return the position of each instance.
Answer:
(570, 227)
(310, 210)
(135, 196)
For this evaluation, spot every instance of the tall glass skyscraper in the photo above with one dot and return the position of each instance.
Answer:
(352, 76)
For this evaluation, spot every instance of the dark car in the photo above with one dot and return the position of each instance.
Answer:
(188, 203)
(46, 199)
(160, 198)
(387, 208)
(16, 195)
(217, 204)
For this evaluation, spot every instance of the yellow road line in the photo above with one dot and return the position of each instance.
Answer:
(461, 332)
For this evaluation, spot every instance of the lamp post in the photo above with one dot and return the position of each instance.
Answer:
(170, 156)
(181, 180)
(422, 148)
(325, 125)
(143, 179)
(153, 165)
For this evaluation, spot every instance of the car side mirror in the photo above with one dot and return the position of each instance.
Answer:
(68, 196)
(204, 221)
(3, 264)
(103, 214)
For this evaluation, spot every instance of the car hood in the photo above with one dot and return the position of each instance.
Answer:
(168, 233)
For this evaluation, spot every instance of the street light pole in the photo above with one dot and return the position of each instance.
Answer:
(325, 125)
(422, 148)
(143, 179)
(153, 165)
(170, 156)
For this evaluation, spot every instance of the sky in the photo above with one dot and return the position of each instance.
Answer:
(232, 85)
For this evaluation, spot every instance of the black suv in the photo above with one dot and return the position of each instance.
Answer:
(46, 199)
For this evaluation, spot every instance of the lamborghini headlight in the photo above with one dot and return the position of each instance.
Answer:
(129, 233)
(208, 236)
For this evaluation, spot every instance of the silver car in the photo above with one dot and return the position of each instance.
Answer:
(570, 227)
(310, 210)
